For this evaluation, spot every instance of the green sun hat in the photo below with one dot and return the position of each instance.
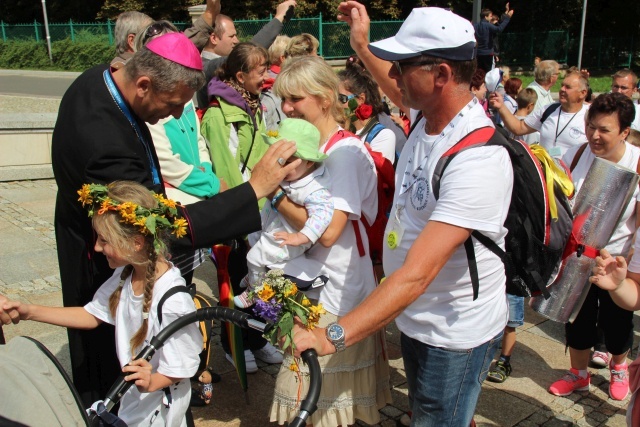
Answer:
(304, 134)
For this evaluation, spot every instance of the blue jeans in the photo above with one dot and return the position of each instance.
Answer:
(444, 384)
(516, 311)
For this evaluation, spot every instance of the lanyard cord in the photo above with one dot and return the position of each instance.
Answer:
(125, 110)
(555, 141)
(405, 185)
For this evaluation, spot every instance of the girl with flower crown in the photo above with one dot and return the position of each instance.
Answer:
(132, 225)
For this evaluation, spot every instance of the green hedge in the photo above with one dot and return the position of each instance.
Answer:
(67, 55)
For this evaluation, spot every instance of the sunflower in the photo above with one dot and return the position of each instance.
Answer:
(180, 227)
(85, 195)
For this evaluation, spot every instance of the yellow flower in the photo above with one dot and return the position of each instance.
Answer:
(142, 223)
(85, 195)
(306, 302)
(290, 290)
(266, 293)
(294, 366)
(180, 227)
(170, 203)
(106, 205)
(272, 133)
(315, 311)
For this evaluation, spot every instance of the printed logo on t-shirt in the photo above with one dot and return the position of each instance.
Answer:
(419, 194)
(576, 133)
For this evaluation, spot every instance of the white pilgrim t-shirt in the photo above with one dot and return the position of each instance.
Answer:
(475, 193)
(560, 131)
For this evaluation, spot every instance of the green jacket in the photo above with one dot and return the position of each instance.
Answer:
(216, 128)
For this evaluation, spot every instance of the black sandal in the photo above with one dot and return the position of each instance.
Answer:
(500, 372)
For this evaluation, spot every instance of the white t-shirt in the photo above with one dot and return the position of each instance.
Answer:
(178, 358)
(354, 190)
(531, 138)
(567, 133)
(475, 193)
(635, 124)
(622, 238)
(384, 142)
(544, 96)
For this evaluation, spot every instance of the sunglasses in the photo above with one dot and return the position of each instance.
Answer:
(345, 98)
(154, 30)
(399, 65)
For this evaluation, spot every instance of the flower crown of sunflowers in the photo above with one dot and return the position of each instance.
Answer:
(147, 221)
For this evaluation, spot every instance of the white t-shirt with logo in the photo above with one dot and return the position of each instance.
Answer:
(621, 240)
(475, 192)
(178, 358)
(354, 191)
(560, 131)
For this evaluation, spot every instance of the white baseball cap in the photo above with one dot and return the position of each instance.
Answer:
(493, 79)
(431, 31)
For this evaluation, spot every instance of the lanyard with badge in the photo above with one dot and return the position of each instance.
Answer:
(409, 178)
(136, 128)
(555, 151)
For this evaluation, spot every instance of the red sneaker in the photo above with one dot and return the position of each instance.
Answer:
(619, 384)
(571, 382)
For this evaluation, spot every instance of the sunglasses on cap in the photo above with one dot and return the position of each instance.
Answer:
(156, 29)
(345, 98)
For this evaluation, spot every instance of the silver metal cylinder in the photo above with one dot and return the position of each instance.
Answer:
(601, 201)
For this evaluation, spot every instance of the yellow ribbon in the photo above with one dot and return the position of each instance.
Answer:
(553, 173)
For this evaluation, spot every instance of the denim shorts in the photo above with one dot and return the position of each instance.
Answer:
(516, 311)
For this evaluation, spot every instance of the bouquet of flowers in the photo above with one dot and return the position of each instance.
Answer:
(278, 301)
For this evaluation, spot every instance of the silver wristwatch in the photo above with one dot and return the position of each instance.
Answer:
(335, 334)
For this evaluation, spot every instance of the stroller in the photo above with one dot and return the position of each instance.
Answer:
(42, 393)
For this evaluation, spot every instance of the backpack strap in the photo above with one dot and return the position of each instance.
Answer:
(479, 137)
(415, 123)
(374, 132)
(576, 158)
(341, 134)
(549, 111)
(170, 293)
(476, 138)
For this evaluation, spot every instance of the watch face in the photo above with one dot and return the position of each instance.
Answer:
(335, 332)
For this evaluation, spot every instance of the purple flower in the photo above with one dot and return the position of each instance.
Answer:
(269, 310)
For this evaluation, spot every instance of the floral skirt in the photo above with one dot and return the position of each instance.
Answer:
(355, 385)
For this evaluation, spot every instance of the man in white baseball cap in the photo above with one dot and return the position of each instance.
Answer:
(448, 328)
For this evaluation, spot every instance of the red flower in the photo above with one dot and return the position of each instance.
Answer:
(363, 112)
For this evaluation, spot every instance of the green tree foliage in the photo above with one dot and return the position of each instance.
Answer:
(255, 9)
(174, 10)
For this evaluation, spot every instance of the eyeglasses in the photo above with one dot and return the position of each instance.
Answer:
(398, 65)
(345, 98)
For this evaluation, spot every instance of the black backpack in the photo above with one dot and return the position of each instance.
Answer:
(535, 242)
(201, 393)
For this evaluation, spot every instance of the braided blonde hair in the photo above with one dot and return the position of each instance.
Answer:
(120, 235)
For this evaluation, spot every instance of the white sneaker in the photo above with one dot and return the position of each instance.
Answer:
(249, 362)
(269, 354)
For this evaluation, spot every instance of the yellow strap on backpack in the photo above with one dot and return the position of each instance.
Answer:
(553, 173)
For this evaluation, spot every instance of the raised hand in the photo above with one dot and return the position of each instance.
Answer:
(609, 272)
(355, 14)
(281, 9)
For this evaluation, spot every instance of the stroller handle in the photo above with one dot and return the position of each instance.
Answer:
(244, 320)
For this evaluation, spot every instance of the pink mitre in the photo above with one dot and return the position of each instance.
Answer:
(176, 47)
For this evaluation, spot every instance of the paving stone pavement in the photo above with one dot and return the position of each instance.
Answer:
(29, 272)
